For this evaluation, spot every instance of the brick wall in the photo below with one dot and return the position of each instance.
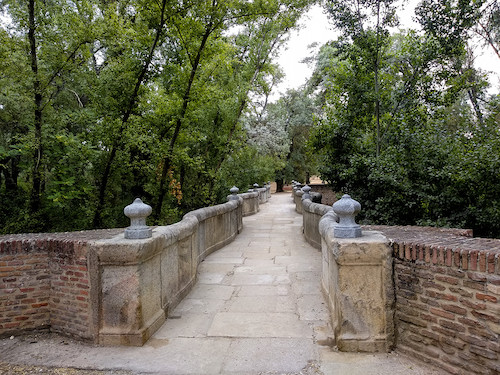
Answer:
(447, 298)
(24, 288)
(45, 283)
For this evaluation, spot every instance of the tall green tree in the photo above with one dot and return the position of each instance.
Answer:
(366, 23)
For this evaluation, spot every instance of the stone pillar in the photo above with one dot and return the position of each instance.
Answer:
(357, 281)
(364, 294)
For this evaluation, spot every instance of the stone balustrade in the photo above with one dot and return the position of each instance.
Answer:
(432, 293)
(102, 287)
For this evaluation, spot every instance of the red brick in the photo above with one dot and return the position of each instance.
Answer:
(491, 262)
(474, 340)
(442, 314)
(429, 302)
(38, 305)
(428, 318)
(454, 342)
(418, 306)
(411, 320)
(447, 297)
(449, 257)
(473, 260)
(430, 335)
(12, 325)
(462, 292)
(474, 285)
(486, 317)
(476, 276)
(472, 305)
(464, 255)
(447, 279)
(482, 261)
(495, 280)
(452, 326)
(483, 352)
(486, 297)
(455, 309)
(444, 331)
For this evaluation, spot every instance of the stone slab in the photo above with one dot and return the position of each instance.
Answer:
(372, 364)
(263, 290)
(206, 291)
(198, 306)
(276, 356)
(262, 304)
(185, 325)
(261, 269)
(285, 325)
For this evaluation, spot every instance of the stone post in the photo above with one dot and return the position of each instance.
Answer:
(234, 194)
(306, 189)
(364, 293)
(346, 209)
(357, 281)
(137, 212)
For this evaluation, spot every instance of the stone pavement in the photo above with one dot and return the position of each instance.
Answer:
(257, 309)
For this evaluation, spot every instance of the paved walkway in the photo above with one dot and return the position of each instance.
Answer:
(257, 309)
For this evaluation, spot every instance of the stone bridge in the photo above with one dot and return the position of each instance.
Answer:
(258, 307)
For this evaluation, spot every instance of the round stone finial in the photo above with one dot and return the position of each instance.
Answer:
(256, 186)
(234, 194)
(346, 209)
(306, 189)
(137, 212)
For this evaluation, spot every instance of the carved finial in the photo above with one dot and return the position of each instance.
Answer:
(306, 189)
(234, 194)
(346, 209)
(137, 212)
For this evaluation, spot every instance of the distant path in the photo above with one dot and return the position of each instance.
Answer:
(257, 309)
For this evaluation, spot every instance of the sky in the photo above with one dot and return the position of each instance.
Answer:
(316, 28)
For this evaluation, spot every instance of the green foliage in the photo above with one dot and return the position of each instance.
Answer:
(438, 164)
(124, 99)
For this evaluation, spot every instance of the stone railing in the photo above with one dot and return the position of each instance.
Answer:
(429, 292)
(102, 287)
(312, 214)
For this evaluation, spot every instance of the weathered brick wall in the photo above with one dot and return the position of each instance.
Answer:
(45, 283)
(24, 287)
(70, 289)
(448, 298)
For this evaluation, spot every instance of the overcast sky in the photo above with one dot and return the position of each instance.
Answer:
(317, 29)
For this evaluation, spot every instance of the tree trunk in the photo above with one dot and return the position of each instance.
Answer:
(35, 197)
(167, 163)
(97, 221)
(279, 185)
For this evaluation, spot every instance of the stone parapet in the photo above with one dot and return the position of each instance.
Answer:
(250, 203)
(102, 287)
(297, 198)
(311, 215)
(357, 282)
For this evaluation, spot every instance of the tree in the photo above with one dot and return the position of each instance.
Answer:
(282, 131)
(353, 19)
